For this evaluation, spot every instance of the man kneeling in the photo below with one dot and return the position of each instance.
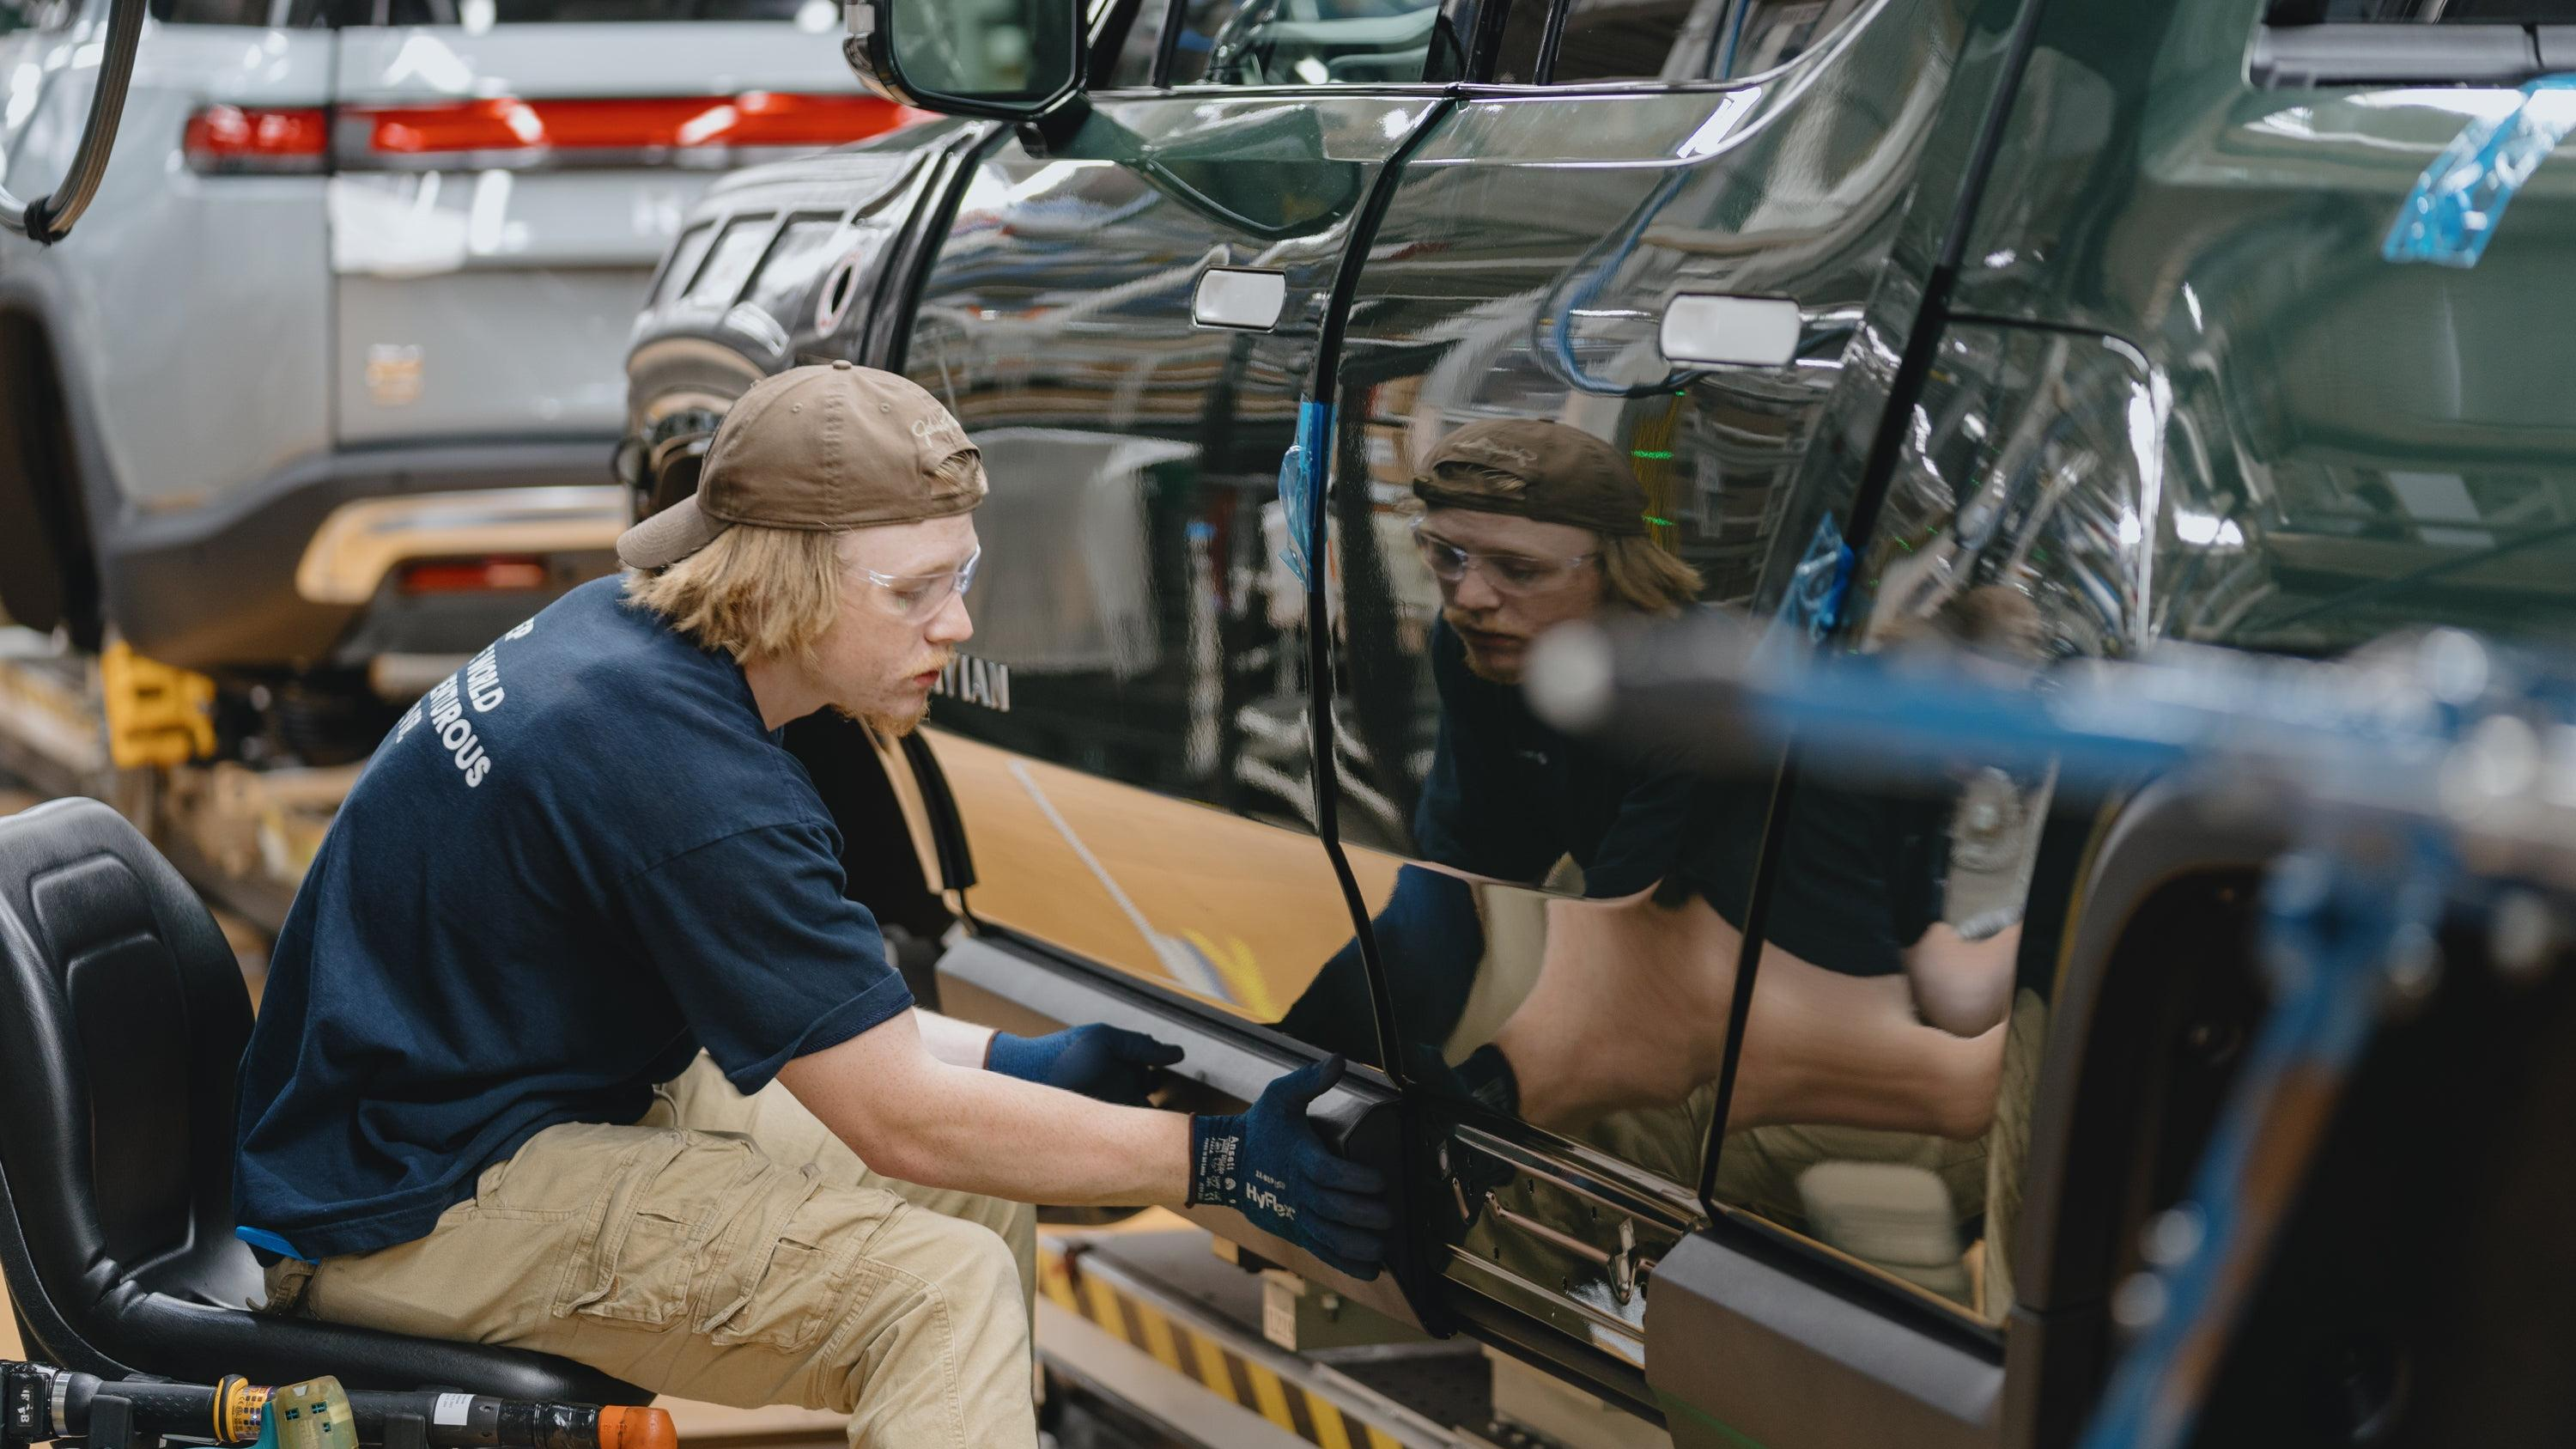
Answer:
(572, 1042)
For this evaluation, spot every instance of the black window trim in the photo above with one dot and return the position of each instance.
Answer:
(1551, 36)
(1160, 77)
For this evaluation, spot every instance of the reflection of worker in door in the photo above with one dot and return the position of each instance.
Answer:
(1527, 525)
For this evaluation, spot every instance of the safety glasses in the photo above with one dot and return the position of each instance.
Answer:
(1507, 573)
(913, 598)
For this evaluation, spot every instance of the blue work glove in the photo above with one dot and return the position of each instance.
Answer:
(1485, 1077)
(1107, 1062)
(1269, 1165)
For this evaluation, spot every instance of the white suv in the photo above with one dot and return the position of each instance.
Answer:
(325, 396)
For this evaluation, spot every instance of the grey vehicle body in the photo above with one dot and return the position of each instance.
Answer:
(272, 378)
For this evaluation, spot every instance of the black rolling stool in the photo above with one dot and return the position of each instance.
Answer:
(122, 1022)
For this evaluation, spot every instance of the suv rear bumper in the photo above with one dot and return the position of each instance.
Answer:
(284, 576)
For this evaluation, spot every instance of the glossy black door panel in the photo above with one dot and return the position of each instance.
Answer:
(1127, 740)
(2038, 518)
(1563, 922)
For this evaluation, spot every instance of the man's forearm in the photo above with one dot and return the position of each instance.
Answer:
(1004, 1137)
(909, 1115)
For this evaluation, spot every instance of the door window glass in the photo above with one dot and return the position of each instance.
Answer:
(1762, 34)
(1303, 42)
(1520, 56)
(1135, 64)
(212, 12)
(1635, 40)
(1680, 40)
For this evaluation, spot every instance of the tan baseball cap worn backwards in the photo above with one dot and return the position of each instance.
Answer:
(825, 448)
(1548, 471)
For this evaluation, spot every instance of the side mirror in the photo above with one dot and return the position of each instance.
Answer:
(1013, 60)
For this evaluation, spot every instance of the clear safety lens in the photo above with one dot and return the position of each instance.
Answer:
(1508, 573)
(915, 597)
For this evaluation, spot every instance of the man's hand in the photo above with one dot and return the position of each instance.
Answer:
(1106, 1062)
(1269, 1165)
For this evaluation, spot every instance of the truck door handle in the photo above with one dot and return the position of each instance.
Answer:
(1725, 330)
(1241, 299)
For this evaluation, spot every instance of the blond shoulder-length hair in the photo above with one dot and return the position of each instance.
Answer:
(1640, 574)
(755, 593)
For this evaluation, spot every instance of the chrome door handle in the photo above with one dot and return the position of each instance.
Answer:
(1723, 330)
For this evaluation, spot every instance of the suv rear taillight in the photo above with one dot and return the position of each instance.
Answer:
(506, 132)
(249, 140)
(472, 575)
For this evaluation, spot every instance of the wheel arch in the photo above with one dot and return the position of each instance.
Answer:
(49, 559)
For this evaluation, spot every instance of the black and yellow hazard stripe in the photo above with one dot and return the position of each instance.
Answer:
(1204, 1358)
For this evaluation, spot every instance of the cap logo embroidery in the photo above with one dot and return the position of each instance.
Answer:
(940, 428)
(1496, 450)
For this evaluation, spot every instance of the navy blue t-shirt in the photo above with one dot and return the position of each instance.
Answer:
(568, 868)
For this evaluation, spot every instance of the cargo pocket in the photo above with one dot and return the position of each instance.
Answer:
(643, 1243)
(561, 1173)
(795, 1274)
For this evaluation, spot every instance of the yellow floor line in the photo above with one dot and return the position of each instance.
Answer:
(1185, 1349)
(1271, 1396)
(1329, 1429)
(1212, 1371)
(1158, 1336)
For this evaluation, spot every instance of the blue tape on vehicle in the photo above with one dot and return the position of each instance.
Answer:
(2458, 202)
(1814, 602)
(1301, 482)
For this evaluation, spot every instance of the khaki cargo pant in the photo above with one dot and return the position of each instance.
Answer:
(729, 1249)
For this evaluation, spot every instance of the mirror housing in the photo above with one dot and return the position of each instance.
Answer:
(1011, 60)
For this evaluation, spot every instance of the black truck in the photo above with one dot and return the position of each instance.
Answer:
(1808, 1107)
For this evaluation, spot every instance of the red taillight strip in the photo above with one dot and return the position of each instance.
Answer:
(462, 576)
(223, 139)
(641, 126)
